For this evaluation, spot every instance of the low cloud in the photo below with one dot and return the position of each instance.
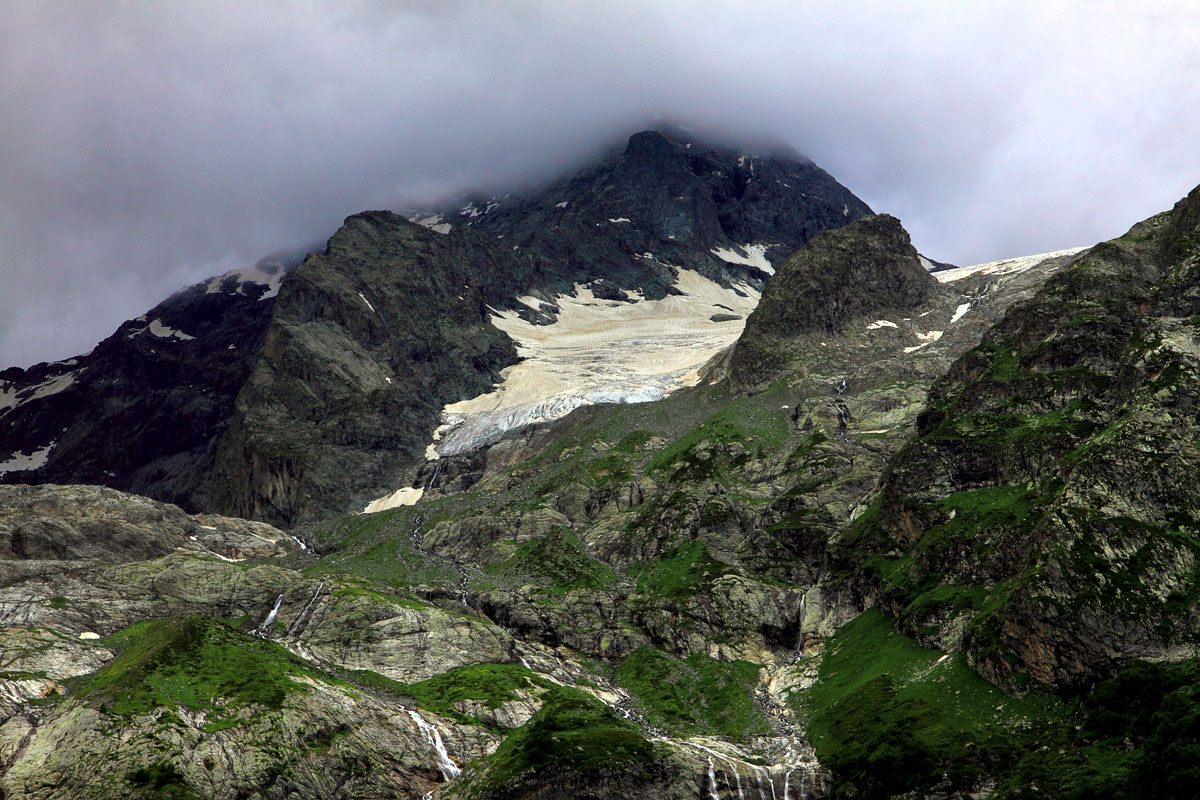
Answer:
(147, 145)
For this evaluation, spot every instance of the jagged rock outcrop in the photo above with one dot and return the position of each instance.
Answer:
(227, 398)
(1044, 519)
(143, 411)
(865, 270)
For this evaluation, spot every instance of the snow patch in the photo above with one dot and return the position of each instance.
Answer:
(563, 204)
(882, 323)
(752, 255)
(401, 497)
(618, 219)
(89, 635)
(1007, 266)
(21, 462)
(433, 222)
(11, 398)
(960, 312)
(926, 263)
(162, 331)
(269, 274)
(368, 302)
(599, 352)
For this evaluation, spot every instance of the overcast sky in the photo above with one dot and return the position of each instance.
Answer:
(146, 145)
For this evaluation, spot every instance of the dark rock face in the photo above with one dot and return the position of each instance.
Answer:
(367, 343)
(1052, 482)
(336, 401)
(672, 196)
(142, 412)
(866, 268)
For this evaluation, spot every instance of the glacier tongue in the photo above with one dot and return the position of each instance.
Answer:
(600, 351)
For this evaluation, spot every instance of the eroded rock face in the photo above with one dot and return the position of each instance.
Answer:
(857, 273)
(143, 410)
(1052, 476)
(228, 398)
(68, 523)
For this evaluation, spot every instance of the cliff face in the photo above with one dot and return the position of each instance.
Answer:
(1044, 519)
(290, 408)
(143, 411)
(863, 271)
(367, 342)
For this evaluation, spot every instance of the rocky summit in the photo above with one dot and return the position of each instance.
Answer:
(682, 476)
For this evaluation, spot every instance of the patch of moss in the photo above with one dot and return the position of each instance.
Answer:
(197, 662)
(680, 573)
(573, 731)
(557, 562)
(889, 716)
(696, 695)
(160, 780)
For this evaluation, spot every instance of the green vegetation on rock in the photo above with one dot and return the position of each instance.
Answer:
(694, 695)
(571, 731)
(196, 662)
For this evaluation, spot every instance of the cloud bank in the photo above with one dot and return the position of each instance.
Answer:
(147, 145)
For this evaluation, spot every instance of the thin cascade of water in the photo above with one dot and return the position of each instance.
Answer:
(804, 785)
(265, 629)
(787, 779)
(712, 781)
(296, 623)
(449, 769)
(738, 777)
(803, 613)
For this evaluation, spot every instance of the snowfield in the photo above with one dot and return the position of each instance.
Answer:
(599, 351)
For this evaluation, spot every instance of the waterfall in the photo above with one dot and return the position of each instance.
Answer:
(787, 779)
(433, 478)
(301, 544)
(803, 614)
(525, 663)
(265, 629)
(449, 769)
(295, 626)
(804, 785)
(712, 781)
(738, 777)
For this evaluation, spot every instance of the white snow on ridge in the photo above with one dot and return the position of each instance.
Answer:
(599, 351)
(271, 278)
(925, 262)
(11, 398)
(618, 219)
(1007, 266)
(434, 222)
(960, 312)
(162, 331)
(882, 323)
(20, 462)
(752, 255)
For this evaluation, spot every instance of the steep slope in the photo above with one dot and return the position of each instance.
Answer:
(206, 400)
(368, 341)
(866, 269)
(345, 400)
(143, 411)
(1044, 521)
(638, 599)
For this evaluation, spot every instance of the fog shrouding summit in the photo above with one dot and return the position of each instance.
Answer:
(147, 145)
